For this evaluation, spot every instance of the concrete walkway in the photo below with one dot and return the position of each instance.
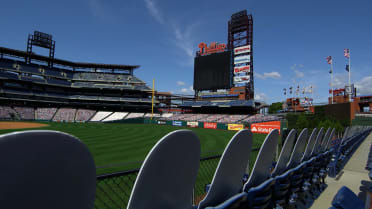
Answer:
(351, 176)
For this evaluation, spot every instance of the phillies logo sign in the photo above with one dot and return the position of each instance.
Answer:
(242, 69)
(211, 49)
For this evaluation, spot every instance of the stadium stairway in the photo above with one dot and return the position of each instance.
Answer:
(352, 176)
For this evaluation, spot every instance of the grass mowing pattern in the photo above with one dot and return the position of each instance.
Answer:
(118, 147)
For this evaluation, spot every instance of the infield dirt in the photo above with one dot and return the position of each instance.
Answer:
(20, 125)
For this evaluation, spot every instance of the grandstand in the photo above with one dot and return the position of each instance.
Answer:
(36, 81)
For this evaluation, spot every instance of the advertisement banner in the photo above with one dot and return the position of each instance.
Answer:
(192, 124)
(160, 122)
(235, 127)
(265, 127)
(241, 78)
(210, 125)
(242, 49)
(242, 59)
(242, 69)
(177, 123)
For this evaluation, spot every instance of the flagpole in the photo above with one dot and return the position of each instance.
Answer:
(332, 80)
(349, 78)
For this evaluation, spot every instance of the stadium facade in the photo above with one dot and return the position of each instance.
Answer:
(31, 80)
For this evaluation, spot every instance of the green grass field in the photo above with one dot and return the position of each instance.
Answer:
(118, 147)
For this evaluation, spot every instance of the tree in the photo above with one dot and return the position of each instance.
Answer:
(302, 122)
(274, 107)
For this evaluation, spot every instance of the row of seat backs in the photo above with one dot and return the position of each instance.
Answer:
(165, 180)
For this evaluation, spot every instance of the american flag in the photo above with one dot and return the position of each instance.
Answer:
(285, 91)
(347, 53)
(329, 59)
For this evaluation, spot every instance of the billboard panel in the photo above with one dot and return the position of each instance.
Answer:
(265, 127)
(160, 122)
(242, 69)
(210, 125)
(177, 123)
(242, 49)
(213, 71)
(241, 79)
(192, 124)
(242, 59)
(235, 127)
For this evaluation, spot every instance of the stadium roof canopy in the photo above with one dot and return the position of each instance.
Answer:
(23, 54)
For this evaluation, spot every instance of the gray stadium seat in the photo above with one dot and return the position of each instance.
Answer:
(325, 139)
(262, 167)
(168, 174)
(317, 144)
(298, 149)
(310, 145)
(285, 154)
(44, 170)
(227, 180)
(328, 145)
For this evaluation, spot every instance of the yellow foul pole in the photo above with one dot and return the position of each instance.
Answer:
(152, 103)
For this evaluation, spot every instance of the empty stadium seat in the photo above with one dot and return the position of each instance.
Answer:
(227, 180)
(285, 154)
(346, 199)
(45, 169)
(168, 174)
(262, 167)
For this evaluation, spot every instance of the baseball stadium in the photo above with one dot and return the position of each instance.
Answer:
(117, 135)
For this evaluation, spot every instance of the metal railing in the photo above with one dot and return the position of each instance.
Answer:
(113, 190)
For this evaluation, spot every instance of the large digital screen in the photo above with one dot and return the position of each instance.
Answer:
(213, 71)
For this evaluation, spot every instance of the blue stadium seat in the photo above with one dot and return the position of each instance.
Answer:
(167, 176)
(45, 169)
(346, 199)
(259, 197)
(227, 180)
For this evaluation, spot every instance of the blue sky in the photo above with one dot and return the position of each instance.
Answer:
(292, 38)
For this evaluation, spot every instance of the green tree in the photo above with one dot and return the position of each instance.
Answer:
(302, 122)
(274, 107)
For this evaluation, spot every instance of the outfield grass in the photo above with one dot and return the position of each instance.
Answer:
(118, 145)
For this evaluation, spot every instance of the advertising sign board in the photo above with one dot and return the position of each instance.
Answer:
(265, 127)
(242, 69)
(242, 59)
(242, 49)
(210, 125)
(160, 122)
(177, 123)
(235, 127)
(192, 124)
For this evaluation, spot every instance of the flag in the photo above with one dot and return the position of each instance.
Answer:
(330, 71)
(347, 53)
(285, 91)
(290, 90)
(329, 60)
(311, 89)
(347, 68)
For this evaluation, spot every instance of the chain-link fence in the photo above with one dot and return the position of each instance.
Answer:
(113, 190)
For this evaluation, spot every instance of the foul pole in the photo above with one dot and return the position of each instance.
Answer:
(152, 100)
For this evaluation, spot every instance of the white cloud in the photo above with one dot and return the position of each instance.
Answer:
(274, 75)
(154, 11)
(183, 37)
(189, 90)
(100, 10)
(299, 74)
(260, 97)
(180, 83)
(364, 86)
